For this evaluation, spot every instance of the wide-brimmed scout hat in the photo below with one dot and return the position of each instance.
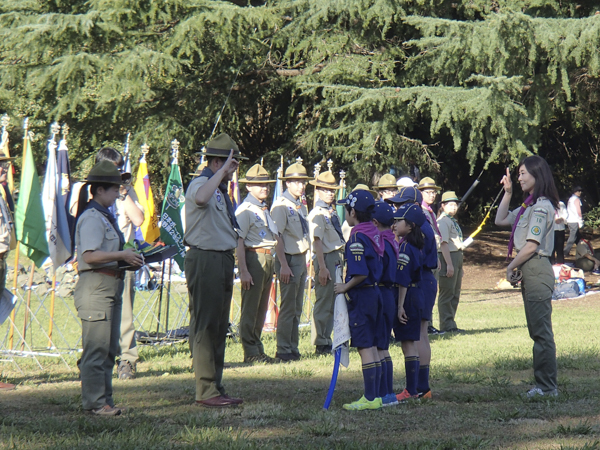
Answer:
(364, 187)
(388, 181)
(295, 172)
(106, 172)
(221, 146)
(450, 196)
(256, 174)
(360, 200)
(325, 180)
(408, 194)
(428, 183)
(412, 213)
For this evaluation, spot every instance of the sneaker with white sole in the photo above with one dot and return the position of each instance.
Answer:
(362, 404)
(405, 396)
(425, 394)
(389, 400)
(537, 392)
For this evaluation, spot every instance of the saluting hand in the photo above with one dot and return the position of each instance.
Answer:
(132, 258)
(230, 166)
(507, 182)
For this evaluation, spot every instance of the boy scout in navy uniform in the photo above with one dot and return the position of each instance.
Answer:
(289, 215)
(328, 249)
(99, 290)
(212, 236)
(256, 247)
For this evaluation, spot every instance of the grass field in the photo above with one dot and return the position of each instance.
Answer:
(478, 381)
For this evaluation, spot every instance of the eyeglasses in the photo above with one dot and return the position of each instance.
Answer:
(430, 192)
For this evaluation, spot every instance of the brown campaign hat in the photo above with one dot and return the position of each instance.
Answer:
(256, 174)
(106, 172)
(450, 196)
(325, 180)
(221, 146)
(428, 183)
(295, 172)
(364, 187)
(388, 181)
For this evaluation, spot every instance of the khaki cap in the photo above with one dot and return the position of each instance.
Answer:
(450, 196)
(106, 172)
(385, 182)
(428, 183)
(256, 174)
(326, 180)
(221, 146)
(295, 172)
(364, 187)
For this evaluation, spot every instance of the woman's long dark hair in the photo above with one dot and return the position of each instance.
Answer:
(83, 200)
(415, 237)
(539, 169)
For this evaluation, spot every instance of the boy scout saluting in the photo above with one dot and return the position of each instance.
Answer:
(289, 215)
(258, 236)
(99, 290)
(212, 236)
(328, 247)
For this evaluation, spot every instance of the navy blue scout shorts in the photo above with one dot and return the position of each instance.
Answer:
(389, 296)
(428, 285)
(364, 312)
(413, 306)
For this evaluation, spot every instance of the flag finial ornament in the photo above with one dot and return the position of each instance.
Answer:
(54, 129)
(342, 175)
(317, 169)
(175, 148)
(65, 130)
(5, 121)
(299, 160)
(25, 126)
(145, 149)
(330, 165)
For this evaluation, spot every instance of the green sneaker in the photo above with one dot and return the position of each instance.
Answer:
(362, 404)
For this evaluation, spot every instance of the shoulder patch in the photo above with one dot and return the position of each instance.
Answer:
(357, 248)
(403, 258)
(540, 211)
(536, 230)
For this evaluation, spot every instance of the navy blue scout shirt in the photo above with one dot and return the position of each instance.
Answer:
(430, 253)
(410, 263)
(361, 259)
(388, 277)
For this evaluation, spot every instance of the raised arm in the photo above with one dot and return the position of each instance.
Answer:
(502, 214)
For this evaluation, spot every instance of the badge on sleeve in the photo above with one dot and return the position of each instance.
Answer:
(403, 259)
(357, 248)
(536, 230)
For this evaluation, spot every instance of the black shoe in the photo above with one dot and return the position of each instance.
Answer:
(262, 358)
(433, 330)
(285, 357)
(297, 356)
(323, 350)
(456, 330)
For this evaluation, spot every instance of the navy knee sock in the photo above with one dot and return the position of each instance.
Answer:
(390, 374)
(370, 379)
(423, 383)
(411, 364)
(383, 384)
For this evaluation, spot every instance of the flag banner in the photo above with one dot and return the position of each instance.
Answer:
(171, 227)
(29, 214)
(341, 210)
(63, 193)
(60, 251)
(126, 156)
(149, 228)
(234, 190)
(278, 189)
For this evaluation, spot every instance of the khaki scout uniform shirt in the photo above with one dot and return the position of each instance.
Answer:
(5, 220)
(451, 233)
(254, 226)
(95, 232)
(208, 227)
(321, 227)
(127, 228)
(285, 215)
(536, 224)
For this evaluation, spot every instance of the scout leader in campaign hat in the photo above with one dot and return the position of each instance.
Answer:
(325, 180)
(221, 146)
(256, 175)
(388, 181)
(295, 172)
(428, 183)
(364, 187)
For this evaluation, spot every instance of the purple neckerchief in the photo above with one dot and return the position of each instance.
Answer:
(431, 219)
(511, 242)
(371, 231)
(389, 236)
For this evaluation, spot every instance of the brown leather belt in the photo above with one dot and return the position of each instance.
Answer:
(266, 251)
(112, 272)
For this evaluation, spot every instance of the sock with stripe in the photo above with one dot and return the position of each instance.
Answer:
(411, 365)
(370, 379)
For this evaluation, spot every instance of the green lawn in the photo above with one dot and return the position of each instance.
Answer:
(478, 382)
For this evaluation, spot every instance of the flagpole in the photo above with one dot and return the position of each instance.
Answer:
(29, 284)
(310, 264)
(51, 321)
(162, 283)
(175, 154)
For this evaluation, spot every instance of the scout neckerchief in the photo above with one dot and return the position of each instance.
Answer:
(511, 242)
(431, 219)
(206, 172)
(589, 246)
(298, 203)
(370, 230)
(335, 220)
(389, 236)
(262, 205)
(113, 221)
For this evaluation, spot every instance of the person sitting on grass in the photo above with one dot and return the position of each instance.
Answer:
(407, 226)
(364, 269)
(586, 258)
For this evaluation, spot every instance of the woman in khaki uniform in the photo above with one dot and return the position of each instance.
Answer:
(99, 290)
(533, 237)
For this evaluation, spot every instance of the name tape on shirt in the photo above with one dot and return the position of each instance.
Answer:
(357, 248)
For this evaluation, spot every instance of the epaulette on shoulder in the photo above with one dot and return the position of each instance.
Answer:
(403, 246)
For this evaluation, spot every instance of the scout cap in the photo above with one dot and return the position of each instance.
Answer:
(408, 194)
(326, 180)
(405, 182)
(221, 146)
(428, 183)
(385, 182)
(105, 172)
(361, 200)
(449, 196)
(256, 174)
(383, 213)
(364, 187)
(295, 172)
(410, 212)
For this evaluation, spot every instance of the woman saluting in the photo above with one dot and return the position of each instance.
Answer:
(98, 293)
(533, 236)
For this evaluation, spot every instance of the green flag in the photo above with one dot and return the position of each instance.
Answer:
(30, 224)
(341, 210)
(171, 228)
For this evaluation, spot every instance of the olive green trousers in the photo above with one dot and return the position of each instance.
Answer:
(291, 301)
(449, 291)
(127, 345)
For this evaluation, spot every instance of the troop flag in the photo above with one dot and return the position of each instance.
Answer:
(55, 214)
(149, 228)
(234, 190)
(29, 214)
(64, 183)
(341, 210)
(171, 227)
(278, 189)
